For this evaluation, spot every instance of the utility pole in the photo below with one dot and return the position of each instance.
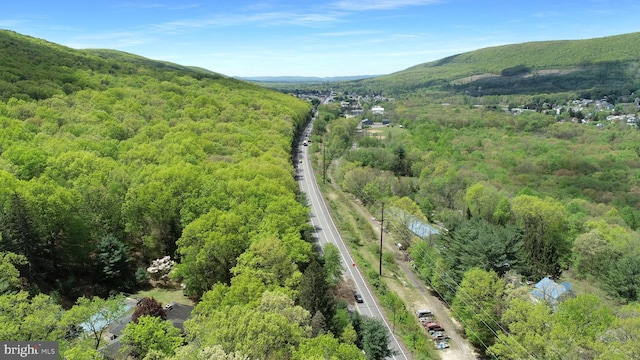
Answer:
(324, 162)
(381, 231)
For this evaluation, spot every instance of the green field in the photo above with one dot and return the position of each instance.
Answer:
(165, 296)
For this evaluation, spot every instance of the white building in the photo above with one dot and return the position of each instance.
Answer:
(377, 110)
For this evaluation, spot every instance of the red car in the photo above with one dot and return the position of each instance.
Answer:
(433, 326)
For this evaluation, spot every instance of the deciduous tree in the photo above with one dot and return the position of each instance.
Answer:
(528, 327)
(26, 318)
(148, 307)
(95, 314)
(9, 274)
(477, 304)
(332, 264)
(244, 329)
(326, 347)
(580, 323)
(148, 334)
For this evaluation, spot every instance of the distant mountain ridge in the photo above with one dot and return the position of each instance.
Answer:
(300, 79)
(590, 68)
(605, 63)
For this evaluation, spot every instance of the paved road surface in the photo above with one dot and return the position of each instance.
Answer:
(326, 232)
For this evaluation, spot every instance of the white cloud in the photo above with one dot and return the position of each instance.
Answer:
(10, 23)
(546, 14)
(348, 33)
(259, 19)
(111, 40)
(142, 5)
(357, 5)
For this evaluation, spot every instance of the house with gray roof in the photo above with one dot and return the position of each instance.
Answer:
(176, 313)
(551, 291)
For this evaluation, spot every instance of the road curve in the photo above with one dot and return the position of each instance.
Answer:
(326, 232)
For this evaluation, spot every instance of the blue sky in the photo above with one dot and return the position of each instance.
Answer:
(312, 38)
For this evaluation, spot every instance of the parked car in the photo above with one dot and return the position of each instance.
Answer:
(424, 313)
(433, 326)
(358, 297)
(438, 336)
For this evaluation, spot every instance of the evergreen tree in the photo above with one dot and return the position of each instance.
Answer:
(623, 277)
(318, 324)
(114, 265)
(313, 291)
(375, 339)
(19, 235)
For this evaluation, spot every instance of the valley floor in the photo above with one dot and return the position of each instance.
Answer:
(413, 291)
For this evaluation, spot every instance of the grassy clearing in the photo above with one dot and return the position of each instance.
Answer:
(165, 296)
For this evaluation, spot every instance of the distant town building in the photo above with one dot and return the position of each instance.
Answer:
(377, 110)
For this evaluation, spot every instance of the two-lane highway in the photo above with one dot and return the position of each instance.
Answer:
(326, 232)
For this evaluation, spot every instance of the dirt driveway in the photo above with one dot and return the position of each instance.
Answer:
(416, 295)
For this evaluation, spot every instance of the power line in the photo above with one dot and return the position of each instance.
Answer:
(449, 282)
(453, 287)
(461, 293)
(381, 232)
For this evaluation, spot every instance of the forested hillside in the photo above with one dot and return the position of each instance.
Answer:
(109, 160)
(130, 150)
(591, 68)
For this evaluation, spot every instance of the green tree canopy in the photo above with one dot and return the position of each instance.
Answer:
(375, 339)
(150, 333)
(26, 318)
(477, 304)
(326, 347)
(544, 221)
(271, 331)
(9, 274)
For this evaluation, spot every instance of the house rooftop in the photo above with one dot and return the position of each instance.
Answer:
(176, 313)
(547, 289)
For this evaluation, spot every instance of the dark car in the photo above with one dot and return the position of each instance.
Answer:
(358, 297)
